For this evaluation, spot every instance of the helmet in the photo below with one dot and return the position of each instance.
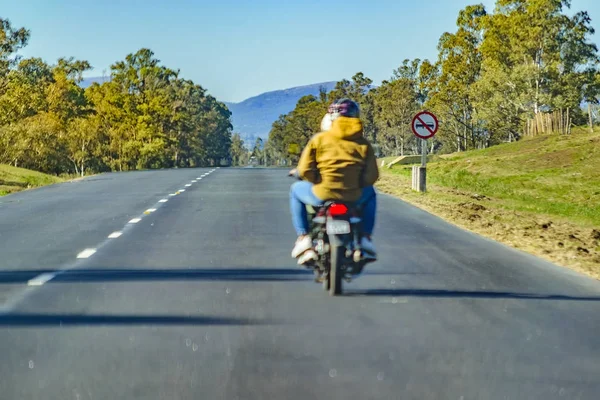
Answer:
(343, 107)
(326, 122)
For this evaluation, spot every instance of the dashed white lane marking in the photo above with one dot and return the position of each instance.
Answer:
(44, 278)
(40, 279)
(86, 253)
(150, 210)
(188, 185)
(194, 181)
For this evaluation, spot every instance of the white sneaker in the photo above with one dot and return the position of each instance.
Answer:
(302, 244)
(307, 256)
(368, 248)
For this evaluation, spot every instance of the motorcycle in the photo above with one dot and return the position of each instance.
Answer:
(335, 229)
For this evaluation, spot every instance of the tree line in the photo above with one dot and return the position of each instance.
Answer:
(144, 116)
(493, 76)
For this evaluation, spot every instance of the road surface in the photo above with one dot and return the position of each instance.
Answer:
(194, 296)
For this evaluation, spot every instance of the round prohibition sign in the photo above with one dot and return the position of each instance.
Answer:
(425, 125)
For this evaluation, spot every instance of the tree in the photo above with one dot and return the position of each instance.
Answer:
(532, 59)
(291, 132)
(154, 119)
(238, 152)
(450, 82)
(145, 116)
(591, 95)
(84, 144)
(396, 101)
(11, 40)
(66, 99)
(360, 90)
(257, 150)
(24, 93)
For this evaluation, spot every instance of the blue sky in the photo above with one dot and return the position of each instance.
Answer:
(237, 49)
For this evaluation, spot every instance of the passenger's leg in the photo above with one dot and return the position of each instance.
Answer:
(368, 202)
(300, 195)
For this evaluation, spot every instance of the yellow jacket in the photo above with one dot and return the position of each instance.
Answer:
(340, 162)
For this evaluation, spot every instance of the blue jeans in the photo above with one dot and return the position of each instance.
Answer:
(301, 194)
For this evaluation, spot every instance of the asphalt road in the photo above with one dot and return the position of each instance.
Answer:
(200, 300)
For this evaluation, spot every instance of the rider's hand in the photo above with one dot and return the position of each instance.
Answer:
(293, 172)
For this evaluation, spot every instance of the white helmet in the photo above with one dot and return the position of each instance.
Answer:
(327, 121)
(343, 107)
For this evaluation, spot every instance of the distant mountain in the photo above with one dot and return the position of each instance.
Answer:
(253, 117)
(86, 82)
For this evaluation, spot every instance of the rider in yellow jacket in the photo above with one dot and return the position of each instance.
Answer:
(336, 164)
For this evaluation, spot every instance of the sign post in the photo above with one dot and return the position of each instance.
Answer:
(424, 125)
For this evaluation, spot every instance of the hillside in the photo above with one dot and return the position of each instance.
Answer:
(540, 194)
(253, 117)
(15, 179)
(86, 82)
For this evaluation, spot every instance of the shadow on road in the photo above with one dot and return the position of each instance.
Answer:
(260, 275)
(132, 274)
(466, 294)
(59, 320)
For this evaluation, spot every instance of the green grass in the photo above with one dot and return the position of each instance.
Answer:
(549, 175)
(14, 179)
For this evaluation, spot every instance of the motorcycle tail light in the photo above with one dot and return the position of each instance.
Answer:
(337, 209)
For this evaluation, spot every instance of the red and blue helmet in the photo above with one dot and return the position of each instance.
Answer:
(345, 108)
(340, 108)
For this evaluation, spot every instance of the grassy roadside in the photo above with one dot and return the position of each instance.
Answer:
(540, 195)
(14, 179)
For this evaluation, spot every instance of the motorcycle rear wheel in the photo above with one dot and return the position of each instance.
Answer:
(335, 270)
(326, 283)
